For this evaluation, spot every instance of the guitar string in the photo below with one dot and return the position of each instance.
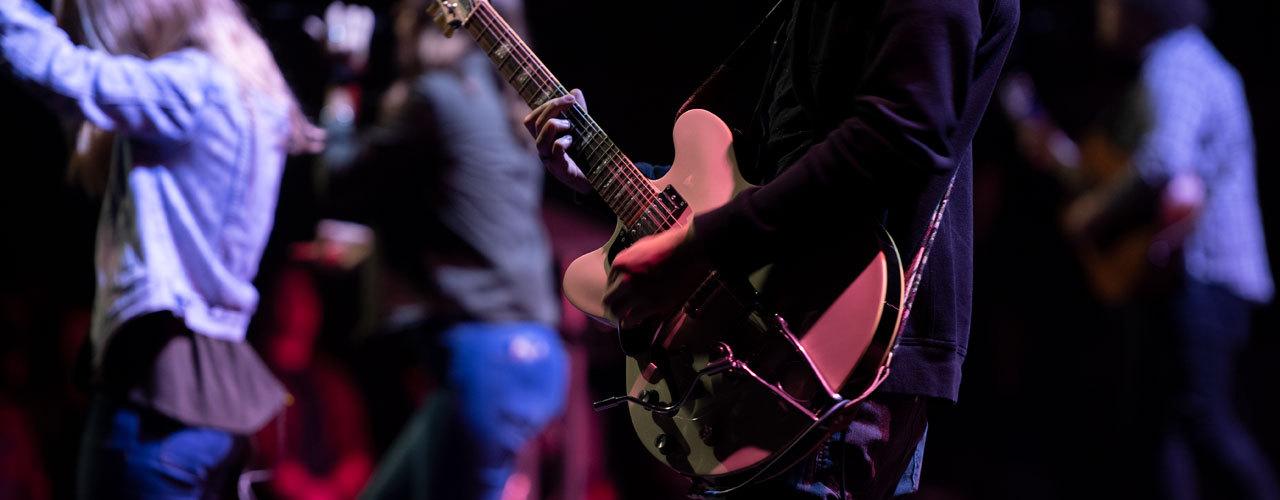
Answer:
(612, 155)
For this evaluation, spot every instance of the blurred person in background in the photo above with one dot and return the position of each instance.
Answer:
(319, 447)
(187, 124)
(454, 200)
(1185, 140)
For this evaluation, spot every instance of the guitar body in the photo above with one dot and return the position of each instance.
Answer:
(758, 419)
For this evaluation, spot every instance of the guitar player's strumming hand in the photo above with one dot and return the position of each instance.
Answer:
(653, 277)
(551, 133)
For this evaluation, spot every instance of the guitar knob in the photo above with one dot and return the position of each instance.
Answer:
(664, 444)
(705, 434)
(650, 396)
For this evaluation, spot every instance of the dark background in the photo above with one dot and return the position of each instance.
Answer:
(1053, 400)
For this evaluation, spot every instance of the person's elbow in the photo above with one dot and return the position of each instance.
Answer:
(892, 140)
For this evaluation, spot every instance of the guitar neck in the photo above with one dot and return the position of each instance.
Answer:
(613, 176)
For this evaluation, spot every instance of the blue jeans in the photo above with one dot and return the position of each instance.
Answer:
(133, 453)
(502, 383)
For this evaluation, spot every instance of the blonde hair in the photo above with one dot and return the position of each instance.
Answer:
(152, 28)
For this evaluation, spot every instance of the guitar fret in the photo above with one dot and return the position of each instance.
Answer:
(604, 149)
(487, 40)
(590, 149)
(614, 185)
(593, 138)
(608, 152)
(583, 149)
(642, 203)
(608, 182)
(545, 93)
(616, 189)
(535, 95)
(607, 159)
(592, 170)
(615, 197)
(625, 194)
(620, 190)
(520, 80)
(501, 54)
(538, 92)
(633, 212)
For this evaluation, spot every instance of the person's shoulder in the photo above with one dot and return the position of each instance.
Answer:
(196, 74)
(224, 86)
(1185, 55)
(196, 63)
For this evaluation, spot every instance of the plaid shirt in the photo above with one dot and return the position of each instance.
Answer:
(1200, 123)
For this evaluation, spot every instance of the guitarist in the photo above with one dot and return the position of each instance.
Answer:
(1194, 155)
(842, 110)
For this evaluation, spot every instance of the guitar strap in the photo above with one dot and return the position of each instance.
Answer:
(915, 272)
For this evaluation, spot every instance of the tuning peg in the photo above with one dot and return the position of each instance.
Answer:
(445, 15)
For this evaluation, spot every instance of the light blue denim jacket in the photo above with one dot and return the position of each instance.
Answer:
(193, 184)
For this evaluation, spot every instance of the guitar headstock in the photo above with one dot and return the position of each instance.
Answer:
(450, 15)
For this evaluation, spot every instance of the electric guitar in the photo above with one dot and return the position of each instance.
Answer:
(726, 391)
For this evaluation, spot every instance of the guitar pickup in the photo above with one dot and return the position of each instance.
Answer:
(667, 207)
(670, 199)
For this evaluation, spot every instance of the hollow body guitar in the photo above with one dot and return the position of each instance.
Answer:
(725, 391)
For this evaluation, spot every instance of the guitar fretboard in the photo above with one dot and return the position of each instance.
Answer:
(613, 176)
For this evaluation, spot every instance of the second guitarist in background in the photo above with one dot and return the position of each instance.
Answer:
(1193, 173)
(842, 110)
